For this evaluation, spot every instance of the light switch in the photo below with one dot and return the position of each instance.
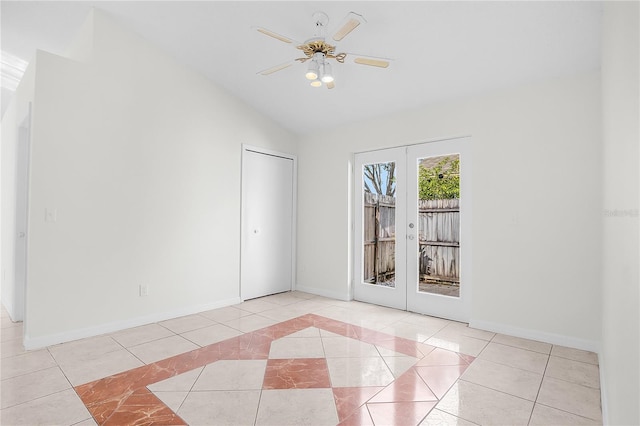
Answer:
(51, 215)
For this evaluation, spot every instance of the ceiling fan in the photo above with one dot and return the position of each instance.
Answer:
(318, 51)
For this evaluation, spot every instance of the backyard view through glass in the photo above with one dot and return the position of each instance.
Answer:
(439, 225)
(379, 233)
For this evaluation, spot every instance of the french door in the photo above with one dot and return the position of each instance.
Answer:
(413, 228)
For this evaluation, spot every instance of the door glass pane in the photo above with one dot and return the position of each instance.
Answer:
(379, 233)
(439, 225)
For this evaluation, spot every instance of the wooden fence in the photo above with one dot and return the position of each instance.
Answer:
(438, 237)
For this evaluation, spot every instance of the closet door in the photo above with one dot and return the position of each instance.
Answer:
(267, 224)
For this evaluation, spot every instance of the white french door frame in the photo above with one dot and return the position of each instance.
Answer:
(406, 294)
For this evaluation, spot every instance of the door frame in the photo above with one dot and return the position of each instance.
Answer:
(294, 215)
(466, 221)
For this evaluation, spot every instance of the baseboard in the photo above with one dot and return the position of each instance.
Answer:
(31, 343)
(324, 292)
(541, 336)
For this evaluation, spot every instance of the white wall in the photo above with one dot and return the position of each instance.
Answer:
(14, 117)
(140, 157)
(536, 204)
(620, 357)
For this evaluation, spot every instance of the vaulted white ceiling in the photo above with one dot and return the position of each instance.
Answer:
(440, 50)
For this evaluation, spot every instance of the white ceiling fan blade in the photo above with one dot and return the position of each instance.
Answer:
(276, 68)
(274, 35)
(350, 23)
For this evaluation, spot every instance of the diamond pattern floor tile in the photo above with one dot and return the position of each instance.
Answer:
(350, 374)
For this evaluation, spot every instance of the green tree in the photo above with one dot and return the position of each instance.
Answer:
(441, 181)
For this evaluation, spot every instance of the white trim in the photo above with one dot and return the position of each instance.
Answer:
(294, 214)
(604, 401)
(541, 336)
(325, 293)
(81, 333)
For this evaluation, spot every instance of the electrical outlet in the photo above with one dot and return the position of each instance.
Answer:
(144, 290)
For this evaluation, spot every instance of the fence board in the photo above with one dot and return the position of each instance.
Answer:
(438, 235)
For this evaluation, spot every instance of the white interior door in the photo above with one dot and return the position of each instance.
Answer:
(412, 244)
(267, 223)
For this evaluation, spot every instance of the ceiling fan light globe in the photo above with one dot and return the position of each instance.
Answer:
(316, 83)
(311, 75)
(327, 75)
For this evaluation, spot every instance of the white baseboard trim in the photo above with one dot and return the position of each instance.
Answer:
(31, 343)
(541, 336)
(324, 292)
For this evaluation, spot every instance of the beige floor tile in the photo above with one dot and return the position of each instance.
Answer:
(84, 349)
(283, 313)
(514, 381)
(212, 334)
(162, 348)
(251, 323)
(417, 332)
(173, 400)
(225, 314)
(180, 383)
(297, 407)
(61, 408)
(230, 408)
(6, 322)
(426, 321)
(530, 345)
(80, 372)
(462, 344)
(232, 375)
(27, 387)
(349, 372)
(139, 335)
(399, 364)
(188, 323)
(283, 299)
(297, 347)
(12, 332)
(13, 347)
(574, 371)
(461, 329)
(545, 416)
(26, 363)
(481, 405)
(573, 398)
(335, 347)
(256, 305)
(307, 332)
(575, 354)
(515, 357)
(440, 418)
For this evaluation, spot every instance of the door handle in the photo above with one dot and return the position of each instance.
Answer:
(411, 237)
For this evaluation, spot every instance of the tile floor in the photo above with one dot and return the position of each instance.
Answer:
(294, 359)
